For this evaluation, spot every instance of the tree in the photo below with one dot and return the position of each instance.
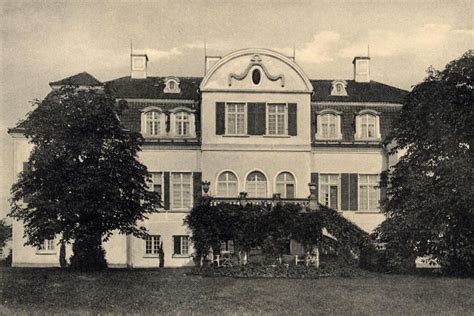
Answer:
(5, 233)
(431, 195)
(83, 180)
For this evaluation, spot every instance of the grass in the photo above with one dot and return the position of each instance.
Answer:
(171, 291)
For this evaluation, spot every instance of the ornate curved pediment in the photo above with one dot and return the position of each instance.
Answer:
(256, 61)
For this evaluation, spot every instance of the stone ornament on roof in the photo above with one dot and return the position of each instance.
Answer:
(339, 88)
(172, 85)
(256, 62)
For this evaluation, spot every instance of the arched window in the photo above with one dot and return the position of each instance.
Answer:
(367, 122)
(227, 184)
(256, 184)
(182, 123)
(329, 125)
(153, 123)
(368, 125)
(285, 185)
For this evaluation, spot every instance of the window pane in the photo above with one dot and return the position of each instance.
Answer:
(290, 191)
(333, 198)
(256, 185)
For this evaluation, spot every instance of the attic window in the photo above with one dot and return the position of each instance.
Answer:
(339, 88)
(172, 85)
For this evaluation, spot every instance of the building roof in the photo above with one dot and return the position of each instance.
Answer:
(372, 91)
(81, 79)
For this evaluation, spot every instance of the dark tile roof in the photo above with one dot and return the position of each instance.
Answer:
(358, 92)
(152, 88)
(81, 79)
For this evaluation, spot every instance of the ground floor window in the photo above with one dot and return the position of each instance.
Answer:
(181, 245)
(256, 185)
(368, 192)
(47, 245)
(227, 246)
(152, 245)
(329, 190)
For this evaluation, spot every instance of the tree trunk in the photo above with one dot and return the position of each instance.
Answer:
(62, 255)
(88, 254)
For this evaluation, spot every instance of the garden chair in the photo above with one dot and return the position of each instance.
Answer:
(226, 259)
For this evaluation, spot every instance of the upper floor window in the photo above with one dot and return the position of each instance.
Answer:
(182, 123)
(181, 191)
(256, 184)
(329, 190)
(236, 122)
(227, 184)
(329, 125)
(368, 192)
(276, 119)
(285, 185)
(152, 122)
(367, 125)
(157, 183)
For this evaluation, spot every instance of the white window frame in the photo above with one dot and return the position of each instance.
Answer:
(181, 207)
(368, 184)
(173, 118)
(329, 184)
(359, 121)
(155, 244)
(143, 121)
(285, 182)
(284, 131)
(227, 183)
(227, 118)
(186, 240)
(48, 247)
(319, 121)
(247, 184)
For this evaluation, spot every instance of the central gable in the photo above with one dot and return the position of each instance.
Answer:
(255, 70)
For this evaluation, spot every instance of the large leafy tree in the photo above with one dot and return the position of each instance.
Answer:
(430, 210)
(83, 181)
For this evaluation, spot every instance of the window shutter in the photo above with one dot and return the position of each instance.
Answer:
(26, 197)
(197, 187)
(166, 190)
(315, 180)
(345, 200)
(313, 123)
(292, 123)
(383, 188)
(177, 245)
(220, 118)
(353, 191)
(256, 116)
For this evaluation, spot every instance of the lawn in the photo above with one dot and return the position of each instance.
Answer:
(171, 291)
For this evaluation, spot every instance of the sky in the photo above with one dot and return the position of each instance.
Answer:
(44, 41)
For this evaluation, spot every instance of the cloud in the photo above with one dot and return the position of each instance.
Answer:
(320, 49)
(384, 43)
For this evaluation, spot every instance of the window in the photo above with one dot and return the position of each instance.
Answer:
(285, 185)
(181, 191)
(368, 192)
(152, 245)
(157, 183)
(236, 119)
(182, 124)
(339, 88)
(172, 85)
(153, 123)
(181, 245)
(256, 76)
(47, 245)
(276, 119)
(227, 246)
(367, 125)
(227, 185)
(256, 184)
(329, 190)
(329, 125)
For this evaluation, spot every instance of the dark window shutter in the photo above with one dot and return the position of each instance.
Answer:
(26, 197)
(197, 187)
(256, 113)
(292, 119)
(220, 118)
(313, 123)
(353, 191)
(383, 188)
(177, 245)
(166, 202)
(315, 180)
(345, 191)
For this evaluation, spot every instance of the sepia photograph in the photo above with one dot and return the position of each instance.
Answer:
(249, 157)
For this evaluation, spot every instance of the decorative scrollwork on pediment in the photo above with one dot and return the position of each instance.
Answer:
(256, 60)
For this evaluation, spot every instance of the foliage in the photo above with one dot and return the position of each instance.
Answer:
(82, 175)
(430, 198)
(270, 228)
(5, 233)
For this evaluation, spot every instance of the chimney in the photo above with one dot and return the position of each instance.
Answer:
(361, 69)
(211, 61)
(138, 66)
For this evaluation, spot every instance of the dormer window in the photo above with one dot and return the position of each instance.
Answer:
(152, 122)
(329, 125)
(339, 88)
(182, 122)
(172, 85)
(368, 125)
